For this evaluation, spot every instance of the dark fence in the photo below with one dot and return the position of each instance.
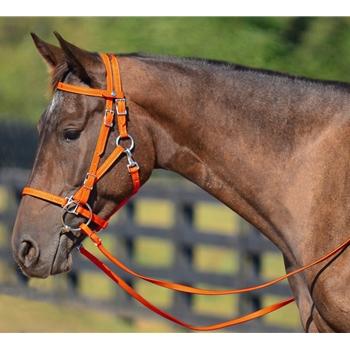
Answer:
(181, 240)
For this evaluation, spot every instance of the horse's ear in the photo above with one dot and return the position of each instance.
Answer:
(51, 54)
(78, 59)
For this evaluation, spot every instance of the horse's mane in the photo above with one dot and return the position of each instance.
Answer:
(225, 66)
(62, 69)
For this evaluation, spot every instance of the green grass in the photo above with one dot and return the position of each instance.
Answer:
(19, 315)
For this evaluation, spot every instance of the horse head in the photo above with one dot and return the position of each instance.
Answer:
(44, 235)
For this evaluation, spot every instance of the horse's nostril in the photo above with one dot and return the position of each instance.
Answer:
(27, 253)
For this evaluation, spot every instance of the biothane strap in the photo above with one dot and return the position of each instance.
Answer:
(188, 289)
(113, 94)
(166, 315)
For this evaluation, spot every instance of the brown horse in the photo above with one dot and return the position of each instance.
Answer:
(272, 147)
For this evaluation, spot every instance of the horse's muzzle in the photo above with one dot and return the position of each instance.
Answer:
(36, 263)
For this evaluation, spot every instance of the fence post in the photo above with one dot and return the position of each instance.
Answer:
(249, 270)
(256, 259)
(125, 251)
(182, 302)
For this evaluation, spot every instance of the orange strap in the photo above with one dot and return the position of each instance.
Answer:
(164, 314)
(187, 289)
(181, 288)
(80, 209)
(113, 94)
(45, 195)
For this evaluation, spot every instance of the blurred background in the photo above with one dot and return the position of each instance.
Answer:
(172, 229)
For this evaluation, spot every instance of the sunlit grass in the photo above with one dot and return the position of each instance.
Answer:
(154, 252)
(155, 213)
(215, 259)
(96, 285)
(161, 297)
(218, 305)
(288, 316)
(272, 266)
(22, 315)
(216, 218)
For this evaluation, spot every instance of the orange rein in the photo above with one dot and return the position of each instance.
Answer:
(77, 204)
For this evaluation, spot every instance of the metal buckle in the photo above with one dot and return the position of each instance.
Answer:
(73, 210)
(86, 178)
(116, 106)
(104, 117)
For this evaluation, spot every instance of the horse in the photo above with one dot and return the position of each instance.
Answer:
(273, 147)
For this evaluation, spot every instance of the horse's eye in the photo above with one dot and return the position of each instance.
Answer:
(71, 134)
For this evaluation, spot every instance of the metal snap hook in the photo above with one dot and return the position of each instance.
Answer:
(131, 161)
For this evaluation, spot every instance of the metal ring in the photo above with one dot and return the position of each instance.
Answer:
(68, 209)
(119, 138)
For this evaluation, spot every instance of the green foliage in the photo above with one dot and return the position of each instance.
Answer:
(316, 47)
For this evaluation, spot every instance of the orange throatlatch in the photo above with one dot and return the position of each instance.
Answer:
(78, 203)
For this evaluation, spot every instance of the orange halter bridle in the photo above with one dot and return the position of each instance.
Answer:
(78, 203)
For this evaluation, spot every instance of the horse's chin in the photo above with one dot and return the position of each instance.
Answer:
(62, 265)
(63, 260)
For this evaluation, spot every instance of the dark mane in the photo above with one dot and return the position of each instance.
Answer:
(215, 65)
(63, 69)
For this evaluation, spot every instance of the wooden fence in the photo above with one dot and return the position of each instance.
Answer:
(172, 241)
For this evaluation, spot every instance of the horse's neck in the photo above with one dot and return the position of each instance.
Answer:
(245, 139)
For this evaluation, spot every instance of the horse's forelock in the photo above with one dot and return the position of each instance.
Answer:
(57, 75)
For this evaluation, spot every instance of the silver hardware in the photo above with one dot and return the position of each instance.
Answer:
(131, 162)
(71, 208)
(113, 93)
(86, 178)
(116, 106)
(117, 141)
(104, 117)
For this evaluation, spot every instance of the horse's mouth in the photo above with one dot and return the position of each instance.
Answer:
(41, 262)
(62, 261)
